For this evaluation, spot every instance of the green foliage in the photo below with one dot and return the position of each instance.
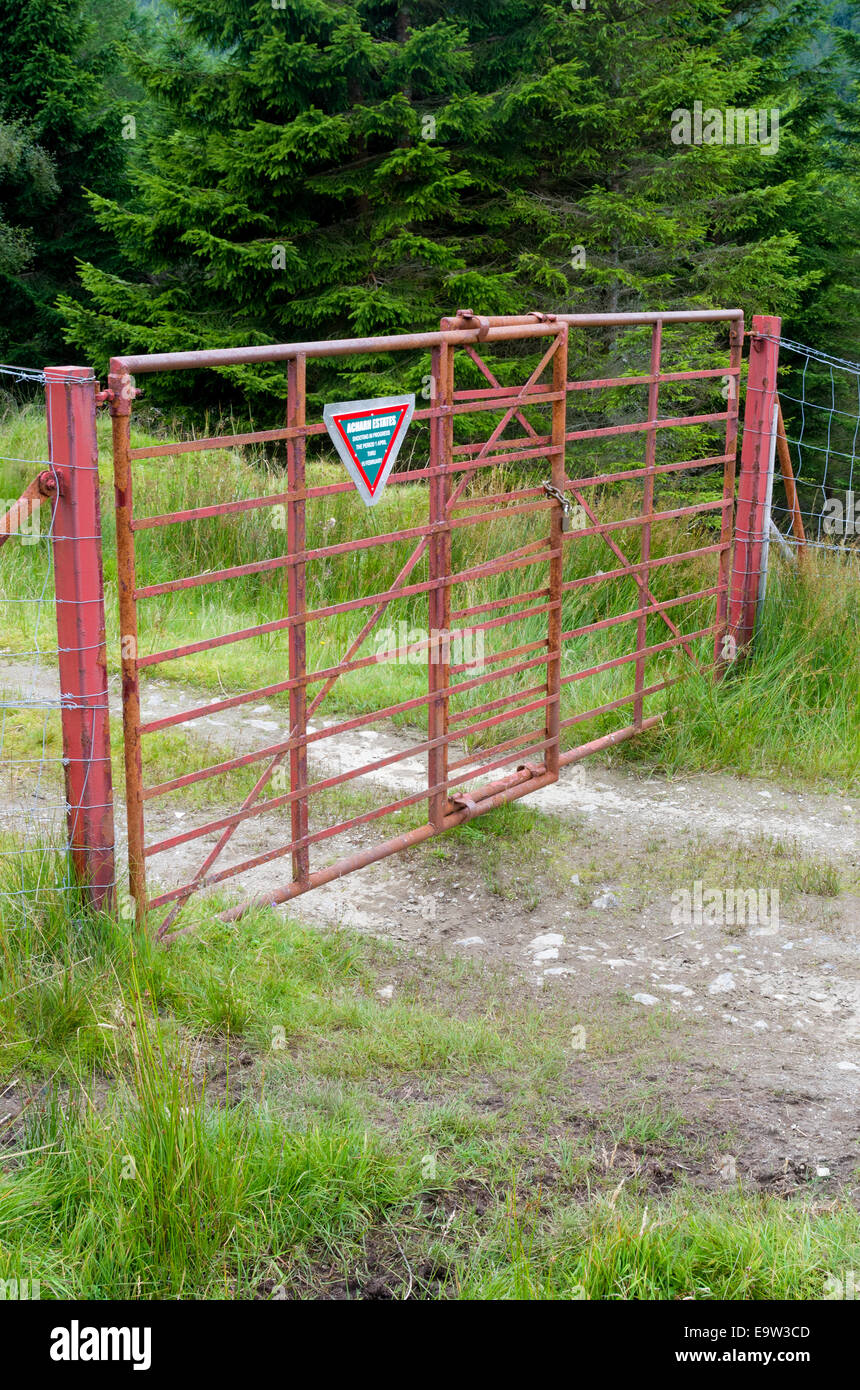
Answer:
(27, 173)
(61, 94)
(791, 708)
(197, 1169)
(329, 169)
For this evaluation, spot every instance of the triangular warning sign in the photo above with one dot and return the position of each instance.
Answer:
(368, 436)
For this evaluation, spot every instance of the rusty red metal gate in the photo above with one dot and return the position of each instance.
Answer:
(554, 514)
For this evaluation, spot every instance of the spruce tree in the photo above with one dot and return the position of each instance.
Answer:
(60, 134)
(314, 169)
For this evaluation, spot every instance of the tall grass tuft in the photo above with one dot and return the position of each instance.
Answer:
(793, 706)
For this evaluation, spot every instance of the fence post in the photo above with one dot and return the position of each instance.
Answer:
(79, 588)
(751, 511)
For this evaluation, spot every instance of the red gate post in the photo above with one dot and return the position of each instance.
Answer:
(750, 518)
(79, 587)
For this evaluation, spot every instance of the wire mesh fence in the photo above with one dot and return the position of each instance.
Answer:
(816, 500)
(35, 828)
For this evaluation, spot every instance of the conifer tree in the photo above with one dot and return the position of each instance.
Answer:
(60, 133)
(313, 168)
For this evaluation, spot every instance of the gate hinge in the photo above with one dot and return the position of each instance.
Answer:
(534, 769)
(483, 323)
(120, 393)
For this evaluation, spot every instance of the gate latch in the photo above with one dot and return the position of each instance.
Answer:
(557, 496)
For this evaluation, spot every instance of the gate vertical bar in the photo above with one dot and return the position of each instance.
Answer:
(753, 481)
(79, 587)
(556, 564)
(122, 394)
(647, 512)
(736, 347)
(297, 605)
(439, 560)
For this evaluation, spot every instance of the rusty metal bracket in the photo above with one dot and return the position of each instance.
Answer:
(45, 485)
(533, 769)
(480, 319)
(120, 393)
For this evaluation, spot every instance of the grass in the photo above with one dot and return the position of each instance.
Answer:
(244, 1114)
(793, 710)
(736, 1249)
(157, 1196)
(730, 862)
(499, 851)
(168, 1199)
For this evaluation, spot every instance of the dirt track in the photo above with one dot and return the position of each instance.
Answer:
(766, 1017)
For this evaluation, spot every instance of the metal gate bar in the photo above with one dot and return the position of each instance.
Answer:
(296, 542)
(450, 510)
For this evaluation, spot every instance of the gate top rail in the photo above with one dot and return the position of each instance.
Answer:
(497, 328)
